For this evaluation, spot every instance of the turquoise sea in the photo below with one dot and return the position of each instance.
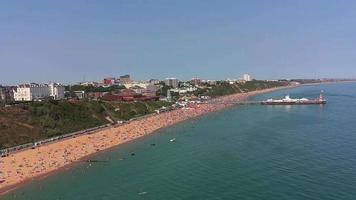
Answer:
(246, 152)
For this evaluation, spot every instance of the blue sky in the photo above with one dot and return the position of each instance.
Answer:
(69, 41)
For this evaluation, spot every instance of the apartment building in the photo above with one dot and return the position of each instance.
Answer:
(34, 91)
(172, 82)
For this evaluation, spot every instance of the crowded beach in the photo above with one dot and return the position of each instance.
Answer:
(20, 167)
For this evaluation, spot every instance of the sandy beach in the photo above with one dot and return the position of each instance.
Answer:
(20, 167)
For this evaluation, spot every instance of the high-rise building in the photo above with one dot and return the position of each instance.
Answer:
(169, 96)
(246, 77)
(109, 81)
(126, 79)
(154, 81)
(195, 81)
(172, 82)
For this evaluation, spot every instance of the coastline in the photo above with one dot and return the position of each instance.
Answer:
(22, 167)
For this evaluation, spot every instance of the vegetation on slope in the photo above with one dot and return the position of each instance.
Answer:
(225, 88)
(39, 120)
(259, 85)
(222, 89)
(15, 128)
(59, 117)
(72, 88)
(129, 110)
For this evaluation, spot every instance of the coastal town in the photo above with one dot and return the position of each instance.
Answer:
(42, 111)
(50, 122)
(57, 125)
(124, 88)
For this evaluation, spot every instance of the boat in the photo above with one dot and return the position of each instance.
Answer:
(290, 101)
(142, 193)
(172, 140)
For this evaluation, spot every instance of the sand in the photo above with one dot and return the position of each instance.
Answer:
(20, 167)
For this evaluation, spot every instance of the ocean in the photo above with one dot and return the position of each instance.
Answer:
(244, 152)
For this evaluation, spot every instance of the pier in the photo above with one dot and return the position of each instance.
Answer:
(235, 102)
(286, 101)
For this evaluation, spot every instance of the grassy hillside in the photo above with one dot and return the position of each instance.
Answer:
(258, 85)
(57, 118)
(38, 120)
(128, 110)
(15, 127)
(224, 88)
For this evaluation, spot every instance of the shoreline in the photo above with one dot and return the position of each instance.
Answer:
(25, 166)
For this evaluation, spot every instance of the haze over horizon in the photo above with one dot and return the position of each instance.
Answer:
(66, 41)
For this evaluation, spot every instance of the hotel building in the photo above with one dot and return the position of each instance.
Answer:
(172, 82)
(246, 77)
(34, 91)
(126, 79)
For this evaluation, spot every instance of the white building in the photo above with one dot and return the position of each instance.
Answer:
(133, 84)
(246, 77)
(56, 91)
(89, 83)
(184, 90)
(172, 82)
(2, 94)
(209, 82)
(34, 91)
(196, 81)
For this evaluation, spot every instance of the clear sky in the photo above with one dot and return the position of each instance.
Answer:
(74, 40)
